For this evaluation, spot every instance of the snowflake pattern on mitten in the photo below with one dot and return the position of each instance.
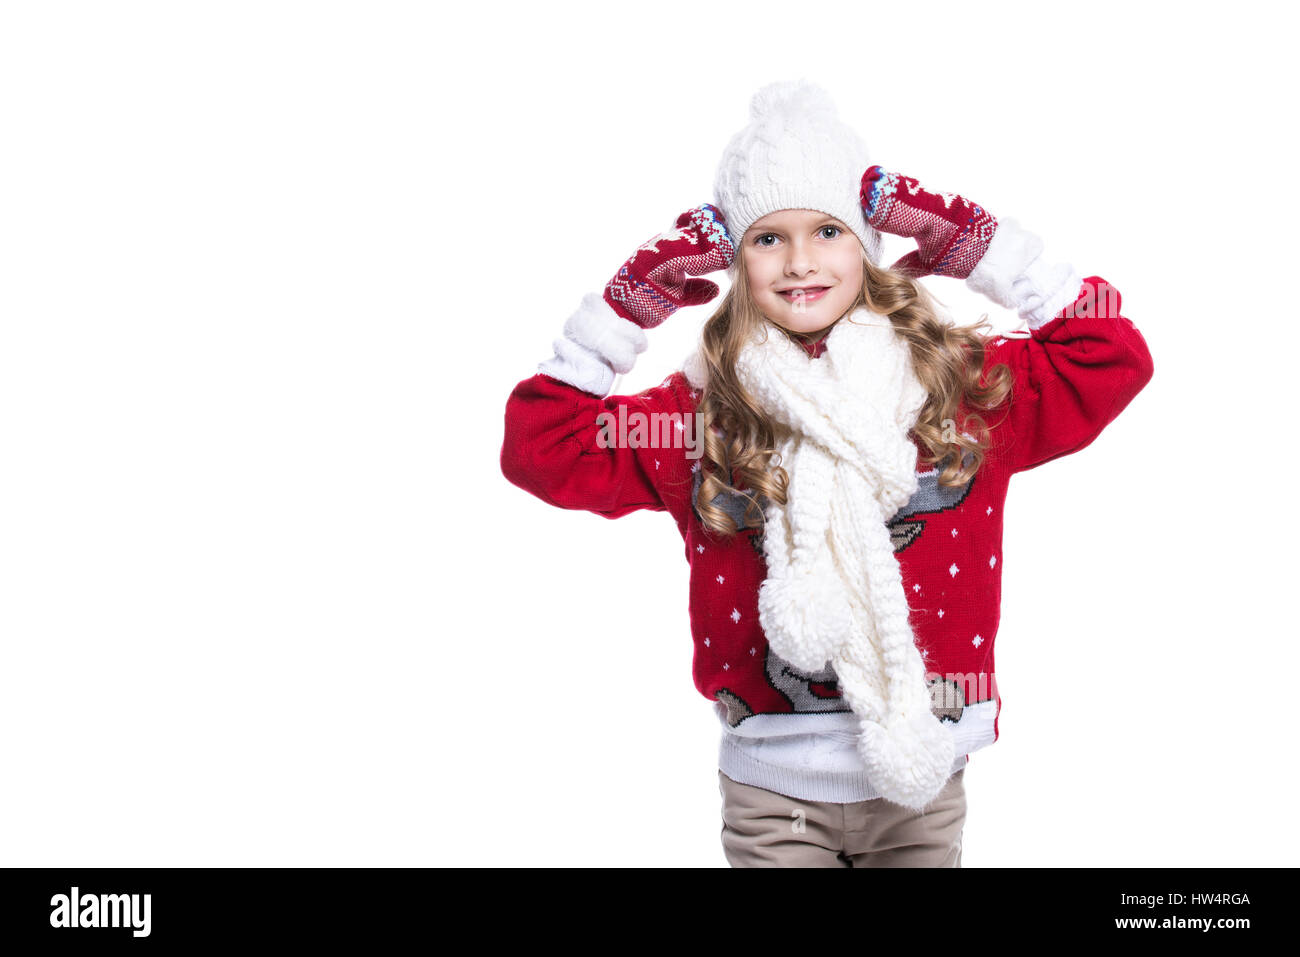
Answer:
(653, 283)
(952, 233)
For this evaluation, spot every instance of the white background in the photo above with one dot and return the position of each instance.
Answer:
(268, 272)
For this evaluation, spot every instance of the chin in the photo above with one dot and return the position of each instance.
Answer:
(807, 324)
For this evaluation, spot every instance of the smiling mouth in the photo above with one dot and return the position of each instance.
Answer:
(806, 294)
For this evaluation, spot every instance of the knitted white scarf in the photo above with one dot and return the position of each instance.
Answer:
(834, 590)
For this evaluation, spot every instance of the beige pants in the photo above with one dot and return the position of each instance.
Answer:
(761, 828)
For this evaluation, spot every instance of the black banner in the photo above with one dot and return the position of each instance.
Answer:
(144, 908)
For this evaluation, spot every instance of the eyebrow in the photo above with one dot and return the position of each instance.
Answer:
(819, 222)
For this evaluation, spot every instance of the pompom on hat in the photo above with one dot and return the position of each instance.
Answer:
(794, 154)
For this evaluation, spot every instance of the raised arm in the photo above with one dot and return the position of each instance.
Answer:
(562, 429)
(1074, 374)
(1082, 363)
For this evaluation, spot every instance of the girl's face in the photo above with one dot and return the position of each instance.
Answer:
(805, 269)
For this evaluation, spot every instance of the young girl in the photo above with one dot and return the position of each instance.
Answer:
(844, 522)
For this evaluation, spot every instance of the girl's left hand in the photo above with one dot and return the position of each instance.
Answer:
(952, 233)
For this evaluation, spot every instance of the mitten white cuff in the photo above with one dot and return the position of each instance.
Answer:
(1013, 274)
(1043, 291)
(597, 343)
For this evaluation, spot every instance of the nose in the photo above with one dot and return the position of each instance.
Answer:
(799, 262)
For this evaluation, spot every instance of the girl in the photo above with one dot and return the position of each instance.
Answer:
(843, 525)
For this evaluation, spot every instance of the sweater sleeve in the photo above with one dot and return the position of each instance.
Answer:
(574, 446)
(1082, 361)
(562, 447)
(1073, 375)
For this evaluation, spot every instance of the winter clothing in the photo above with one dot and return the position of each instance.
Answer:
(607, 331)
(788, 728)
(952, 233)
(834, 592)
(652, 284)
(818, 584)
(794, 154)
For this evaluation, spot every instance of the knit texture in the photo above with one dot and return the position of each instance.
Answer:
(654, 282)
(1073, 375)
(951, 232)
(834, 592)
(794, 154)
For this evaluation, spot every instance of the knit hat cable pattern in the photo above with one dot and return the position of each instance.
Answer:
(794, 154)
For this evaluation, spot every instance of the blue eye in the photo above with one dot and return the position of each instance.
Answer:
(758, 240)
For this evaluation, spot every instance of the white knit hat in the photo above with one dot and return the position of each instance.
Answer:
(794, 154)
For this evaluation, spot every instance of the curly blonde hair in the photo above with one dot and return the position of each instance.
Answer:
(948, 360)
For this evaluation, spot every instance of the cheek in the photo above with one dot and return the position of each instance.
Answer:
(848, 260)
(850, 270)
(759, 280)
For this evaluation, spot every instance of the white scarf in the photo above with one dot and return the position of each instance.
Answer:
(834, 590)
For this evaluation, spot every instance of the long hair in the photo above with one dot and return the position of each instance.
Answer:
(739, 440)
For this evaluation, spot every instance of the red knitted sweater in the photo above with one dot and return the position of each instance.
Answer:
(1072, 377)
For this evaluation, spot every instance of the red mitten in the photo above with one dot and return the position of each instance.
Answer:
(652, 284)
(952, 233)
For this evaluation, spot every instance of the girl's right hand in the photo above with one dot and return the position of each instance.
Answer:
(653, 283)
